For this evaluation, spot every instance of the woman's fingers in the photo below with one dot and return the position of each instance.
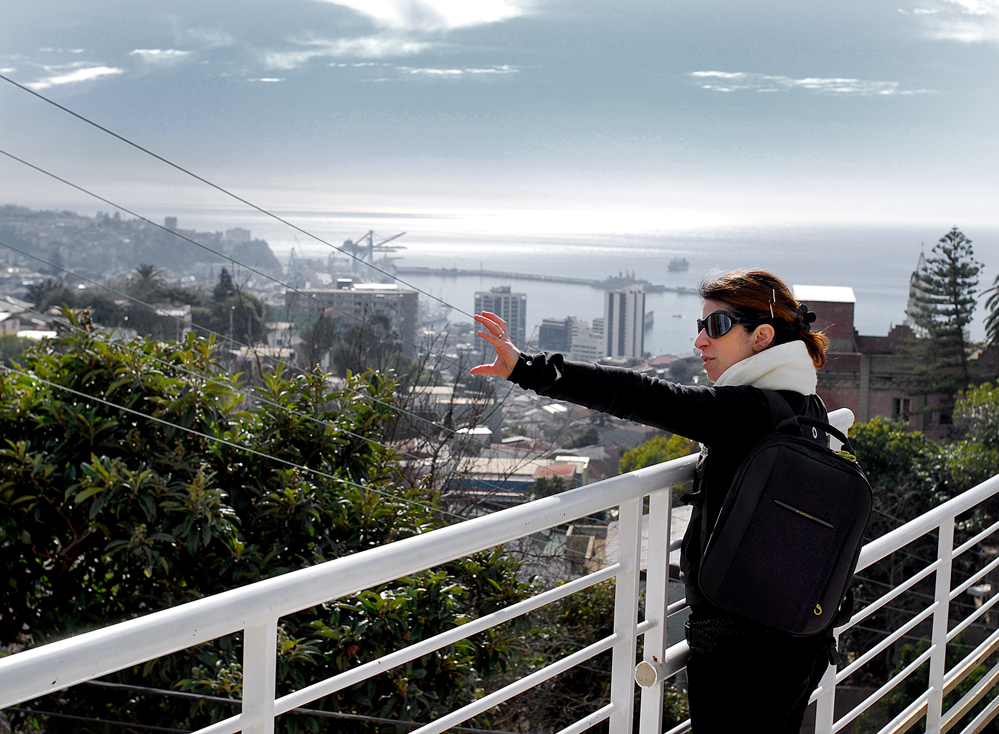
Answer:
(492, 322)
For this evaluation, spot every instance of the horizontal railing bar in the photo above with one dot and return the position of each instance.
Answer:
(902, 536)
(970, 699)
(676, 606)
(601, 714)
(392, 660)
(961, 549)
(680, 728)
(981, 721)
(970, 619)
(961, 671)
(971, 580)
(675, 658)
(892, 682)
(518, 686)
(909, 716)
(226, 726)
(881, 646)
(890, 596)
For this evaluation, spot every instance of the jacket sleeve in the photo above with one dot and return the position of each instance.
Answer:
(714, 416)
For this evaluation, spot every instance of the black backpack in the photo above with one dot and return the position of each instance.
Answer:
(788, 536)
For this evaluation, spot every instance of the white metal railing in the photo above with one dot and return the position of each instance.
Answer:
(255, 610)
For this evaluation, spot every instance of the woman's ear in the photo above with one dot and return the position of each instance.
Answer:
(763, 337)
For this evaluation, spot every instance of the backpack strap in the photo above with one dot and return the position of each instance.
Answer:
(779, 407)
(786, 419)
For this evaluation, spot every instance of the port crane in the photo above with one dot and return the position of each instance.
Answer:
(364, 247)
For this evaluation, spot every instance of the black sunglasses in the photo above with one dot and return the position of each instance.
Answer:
(719, 323)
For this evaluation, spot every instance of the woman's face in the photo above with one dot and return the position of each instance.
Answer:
(721, 353)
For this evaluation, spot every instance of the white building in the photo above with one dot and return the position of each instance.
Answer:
(624, 322)
(358, 302)
(511, 307)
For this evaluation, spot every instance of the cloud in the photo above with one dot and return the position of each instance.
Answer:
(458, 73)
(433, 16)
(718, 74)
(406, 28)
(371, 47)
(78, 73)
(205, 37)
(268, 79)
(746, 81)
(159, 56)
(965, 21)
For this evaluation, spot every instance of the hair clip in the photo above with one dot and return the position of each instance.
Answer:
(804, 318)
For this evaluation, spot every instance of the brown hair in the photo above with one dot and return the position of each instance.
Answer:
(762, 296)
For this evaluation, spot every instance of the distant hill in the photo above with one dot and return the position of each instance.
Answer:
(108, 245)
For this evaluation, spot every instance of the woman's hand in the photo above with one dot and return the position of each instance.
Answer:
(506, 353)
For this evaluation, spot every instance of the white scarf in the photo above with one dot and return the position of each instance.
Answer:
(783, 367)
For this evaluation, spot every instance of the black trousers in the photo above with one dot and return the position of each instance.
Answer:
(752, 680)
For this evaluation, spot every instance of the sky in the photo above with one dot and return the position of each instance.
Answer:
(645, 111)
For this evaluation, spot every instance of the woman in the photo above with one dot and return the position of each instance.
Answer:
(752, 334)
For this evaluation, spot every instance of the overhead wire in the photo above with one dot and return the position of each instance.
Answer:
(300, 710)
(251, 395)
(257, 396)
(219, 188)
(188, 239)
(213, 185)
(208, 437)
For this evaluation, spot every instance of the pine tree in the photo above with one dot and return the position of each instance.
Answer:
(992, 318)
(942, 306)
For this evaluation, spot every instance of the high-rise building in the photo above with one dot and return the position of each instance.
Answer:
(624, 322)
(511, 307)
(573, 338)
(555, 335)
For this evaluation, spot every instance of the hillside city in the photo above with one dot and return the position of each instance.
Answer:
(282, 330)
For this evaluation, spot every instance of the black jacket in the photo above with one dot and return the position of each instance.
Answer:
(727, 421)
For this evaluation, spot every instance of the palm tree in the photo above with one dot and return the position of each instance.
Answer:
(146, 281)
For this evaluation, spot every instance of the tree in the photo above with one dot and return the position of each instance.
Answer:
(233, 313)
(909, 476)
(976, 458)
(371, 344)
(105, 515)
(943, 305)
(992, 317)
(146, 283)
(657, 450)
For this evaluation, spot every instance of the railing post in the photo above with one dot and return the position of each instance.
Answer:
(629, 545)
(656, 603)
(825, 704)
(938, 658)
(259, 672)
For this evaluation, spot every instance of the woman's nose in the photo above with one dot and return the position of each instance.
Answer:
(702, 340)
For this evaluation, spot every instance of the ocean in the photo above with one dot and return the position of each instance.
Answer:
(875, 260)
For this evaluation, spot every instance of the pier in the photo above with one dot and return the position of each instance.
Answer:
(606, 284)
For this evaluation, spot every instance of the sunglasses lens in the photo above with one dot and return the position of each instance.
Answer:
(717, 324)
